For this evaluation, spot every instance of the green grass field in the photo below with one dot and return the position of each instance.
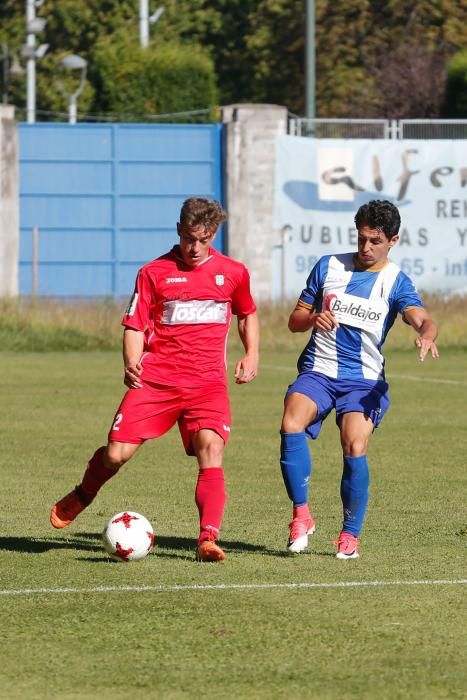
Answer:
(261, 625)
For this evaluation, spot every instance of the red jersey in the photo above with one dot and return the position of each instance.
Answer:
(185, 315)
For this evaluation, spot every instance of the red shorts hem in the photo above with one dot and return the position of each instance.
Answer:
(152, 411)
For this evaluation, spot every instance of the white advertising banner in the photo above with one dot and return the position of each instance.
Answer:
(320, 184)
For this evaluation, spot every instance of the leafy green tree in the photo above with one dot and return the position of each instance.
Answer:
(221, 27)
(132, 81)
(276, 45)
(257, 48)
(344, 87)
(456, 92)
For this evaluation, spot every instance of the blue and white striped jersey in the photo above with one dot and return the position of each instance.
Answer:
(365, 303)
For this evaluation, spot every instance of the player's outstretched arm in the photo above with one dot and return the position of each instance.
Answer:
(427, 331)
(246, 368)
(133, 344)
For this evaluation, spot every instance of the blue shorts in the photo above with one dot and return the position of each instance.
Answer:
(345, 395)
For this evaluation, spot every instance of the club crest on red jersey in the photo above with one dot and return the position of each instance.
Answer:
(219, 280)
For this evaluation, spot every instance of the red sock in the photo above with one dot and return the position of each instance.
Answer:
(96, 475)
(210, 497)
(301, 512)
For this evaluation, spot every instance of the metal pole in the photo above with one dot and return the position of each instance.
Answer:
(35, 260)
(144, 22)
(310, 70)
(72, 110)
(31, 65)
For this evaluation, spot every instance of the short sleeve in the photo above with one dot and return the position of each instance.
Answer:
(405, 294)
(312, 294)
(136, 315)
(242, 302)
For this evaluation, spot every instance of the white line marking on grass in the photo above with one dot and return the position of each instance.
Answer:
(230, 587)
(432, 380)
(390, 375)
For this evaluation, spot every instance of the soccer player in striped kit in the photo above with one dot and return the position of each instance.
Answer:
(174, 351)
(350, 302)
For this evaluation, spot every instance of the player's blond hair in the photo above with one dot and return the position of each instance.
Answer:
(198, 212)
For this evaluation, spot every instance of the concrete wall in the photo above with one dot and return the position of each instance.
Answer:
(9, 203)
(249, 162)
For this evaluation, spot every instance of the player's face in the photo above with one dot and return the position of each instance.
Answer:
(373, 246)
(195, 243)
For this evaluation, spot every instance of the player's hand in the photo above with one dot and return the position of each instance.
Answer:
(426, 346)
(325, 321)
(132, 376)
(246, 370)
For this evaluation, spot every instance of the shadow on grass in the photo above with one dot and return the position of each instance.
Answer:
(38, 545)
(284, 554)
(184, 547)
(170, 547)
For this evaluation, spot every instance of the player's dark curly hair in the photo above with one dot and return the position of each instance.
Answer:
(379, 214)
(197, 212)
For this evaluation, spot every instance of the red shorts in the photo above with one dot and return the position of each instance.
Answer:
(152, 410)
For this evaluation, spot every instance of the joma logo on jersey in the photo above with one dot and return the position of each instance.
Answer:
(169, 280)
(195, 311)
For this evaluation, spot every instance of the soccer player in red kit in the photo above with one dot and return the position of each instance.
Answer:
(174, 352)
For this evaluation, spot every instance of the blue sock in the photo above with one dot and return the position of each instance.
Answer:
(295, 466)
(354, 493)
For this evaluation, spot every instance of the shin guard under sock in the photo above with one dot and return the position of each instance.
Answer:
(95, 476)
(210, 497)
(354, 493)
(296, 466)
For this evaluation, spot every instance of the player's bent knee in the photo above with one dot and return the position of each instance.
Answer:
(209, 447)
(212, 452)
(355, 448)
(118, 453)
(290, 424)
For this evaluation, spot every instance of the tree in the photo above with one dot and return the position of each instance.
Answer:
(122, 77)
(132, 81)
(456, 89)
(257, 47)
(410, 83)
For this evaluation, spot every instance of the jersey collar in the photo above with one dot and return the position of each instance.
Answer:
(176, 252)
(375, 268)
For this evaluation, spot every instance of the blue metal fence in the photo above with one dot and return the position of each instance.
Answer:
(106, 198)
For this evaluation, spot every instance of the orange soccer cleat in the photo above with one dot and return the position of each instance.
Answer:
(68, 508)
(208, 550)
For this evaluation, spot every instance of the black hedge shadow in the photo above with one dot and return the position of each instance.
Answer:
(91, 542)
(86, 541)
(164, 546)
(183, 548)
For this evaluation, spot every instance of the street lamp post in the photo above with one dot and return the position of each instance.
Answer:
(73, 62)
(31, 64)
(310, 97)
(34, 25)
(145, 19)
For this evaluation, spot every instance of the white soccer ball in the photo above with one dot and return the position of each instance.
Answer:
(128, 536)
